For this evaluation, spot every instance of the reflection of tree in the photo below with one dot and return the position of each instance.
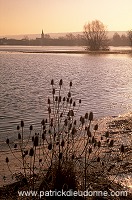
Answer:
(95, 35)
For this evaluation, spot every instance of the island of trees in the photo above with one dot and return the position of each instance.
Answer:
(94, 37)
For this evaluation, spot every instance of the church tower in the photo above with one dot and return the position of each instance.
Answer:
(42, 34)
(42, 38)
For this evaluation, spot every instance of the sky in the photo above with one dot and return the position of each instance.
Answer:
(58, 16)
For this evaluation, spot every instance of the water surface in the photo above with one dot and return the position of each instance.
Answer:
(103, 82)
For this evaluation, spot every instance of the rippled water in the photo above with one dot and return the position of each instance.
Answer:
(103, 82)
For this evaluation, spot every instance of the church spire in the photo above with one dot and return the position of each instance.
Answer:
(42, 34)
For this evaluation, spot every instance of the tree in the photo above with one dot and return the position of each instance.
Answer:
(47, 36)
(95, 35)
(116, 40)
(130, 37)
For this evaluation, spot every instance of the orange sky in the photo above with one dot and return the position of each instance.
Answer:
(55, 16)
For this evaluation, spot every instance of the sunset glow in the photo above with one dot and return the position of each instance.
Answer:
(56, 16)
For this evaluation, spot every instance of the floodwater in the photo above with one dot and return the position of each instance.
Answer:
(102, 82)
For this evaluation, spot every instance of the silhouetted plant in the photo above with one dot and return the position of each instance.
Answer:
(68, 152)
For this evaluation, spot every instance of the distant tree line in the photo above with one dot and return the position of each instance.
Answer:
(120, 40)
(70, 39)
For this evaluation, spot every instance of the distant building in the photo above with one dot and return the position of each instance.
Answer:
(42, 34)
(41, 40)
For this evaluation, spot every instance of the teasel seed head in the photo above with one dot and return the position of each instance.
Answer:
(71, 113)
(22, 123)
(69, 94)
(94, 145)
(43, 122)
(106, 134)
(61, 82)
(70, 83)
(59, 99)
(82, 120)
(111, 143)
(7, 141)
(56, 98)
(7, 159)
(73, 131)
(31, 128)
(48, 101)
(36, 141)
(90, 141)
(62, 143)
(71, 101)
(74, 104)
(75, 122)
(98, 159)
(107, 141)
(90, 150)
(53, 91)
(96, 127)
(122, 148)
(91, 116)
(50, 146)
(31, 152)
(86, 128)
(61, 114)
(19, 136)
(52, 82)
(86, 116)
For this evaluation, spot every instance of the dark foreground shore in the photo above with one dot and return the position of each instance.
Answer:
(119, 128)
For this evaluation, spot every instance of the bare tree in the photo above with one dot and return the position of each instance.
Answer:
(95, 35)
(130, 37)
